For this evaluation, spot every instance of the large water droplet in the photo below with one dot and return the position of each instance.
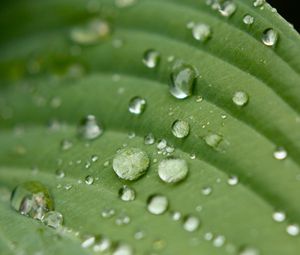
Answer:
(53, 219)
(180, 128)
(293, 230)
(89, 128)
(137, 105)
(172, 170)
(269, 37)
(191, 223)
(32, 199)
(126, 193)
(201, 32)
(151, 58)
(157, 204)
(130, 163)
(280, 153)
(278, 216)
(183, 79)
(92, 33)
(248, 19)
(227, 9)
(240, 98)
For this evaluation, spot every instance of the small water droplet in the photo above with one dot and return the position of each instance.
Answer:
(191, 223)
(176, 216)
(248, 19)
(183, 79)
(32, 199)
(219, 241)
(162, 144)
(233, 180)
(240, 98)
(137, 105)
(279, 216)
(108, 213)
(123, 249)
(102, 244)
(249, 251)
(172, 170)
(68, 186)
(180, 128)
(199, 99)
(89, 128)
(53, 219)
(208, 236)
(151, 58)
(88, 241)
(131, 135)
(95, 31)
(122, 219)
(258, 3)
(192, 156)
(227, 9)
(201, 32)
(213, 140)
(139, 235)
(206, 191)
(269, 37)
(280, 153)
(149, 139)
(126, 193)
(94, 158)
(157, 204)
(293, 230)
(130, 163)
(60, 173)
(66, 144)
(124, 3)
(89, 180)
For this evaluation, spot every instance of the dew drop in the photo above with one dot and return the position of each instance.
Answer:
(248, 19)
(293, 230)
(162, 144)
(176, 216)
(124, 3)
(137, 105)
(191, 223)
(88, 241)
(123, 249)
(206, 191)
(89, 128)
(208, 236)
(240, 98)
(280, 153)
(213, 140)
(249, 251)
(183, 80)
(108, 213)
(139, 235)
(94, 158)
(151, 58)
(60, 174)
(95, 31)
(89, 180)
(180, 128)
(258, 3)
(157, 204)
(269, 37)
(227, 9)
(122, 219)
(172, 170)
(279, 216)
(126, 193)
(102, 245)
(233, 180)
(219, 241)
(130, 163)
(66, 144)
(149, 139)
(201, 32)
(53, 219)
(32, 199)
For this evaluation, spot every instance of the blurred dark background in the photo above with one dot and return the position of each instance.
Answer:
(289, 9)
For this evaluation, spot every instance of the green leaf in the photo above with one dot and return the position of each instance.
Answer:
(56, 68)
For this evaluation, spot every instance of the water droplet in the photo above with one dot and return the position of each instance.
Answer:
(206, 191)
(240, 98)
(137, 105)
(89, 180)
(191, 223)
(258, 3)
(227, 9)
(201, 32)
(280, 153)
(180, 128)
(213, 140)
(102, 244)
(162, 144)
(126, 193)
(269, 37)
(94, 158)
(199, 99)
(172, 170)
(123, 249)
(89, 128)
(233, 180)
(293, 230)
(130, 163)
(88, 241)
(208, 236)
(249, 251)
(176, 216)
(138, 235)
(151, 58)
(95, 31)
(32, 199)
(248, 19)
(159, 244)
(183, 79)
(149, 139)
(279, 216)
(192, 156)
(157, 204)
(122, 219)
(68, 186)
(124, 3)
(60, 173)
(66, 145)
(131, 135)
(53, 219)
(219, 241)
(108, 213)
